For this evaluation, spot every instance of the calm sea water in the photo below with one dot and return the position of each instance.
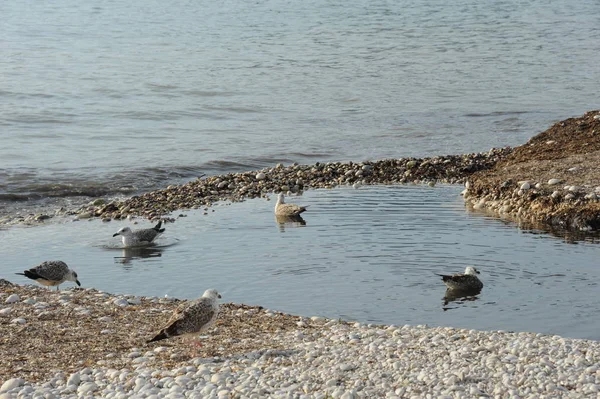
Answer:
(101, 99)
(369, 255)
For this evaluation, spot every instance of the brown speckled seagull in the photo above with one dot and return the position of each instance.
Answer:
(51, 273)
(283, 209)
(192, 318)
(463, 282)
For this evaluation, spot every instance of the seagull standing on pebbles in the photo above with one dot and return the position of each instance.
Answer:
(51, 273)
(138, 238)
(283, 209)
(192, 318)
(463, 282)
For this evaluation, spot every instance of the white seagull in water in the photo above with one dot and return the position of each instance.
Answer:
(283, 209)
(192, 318)
(463, 282)
(51, 273)
(138, 238)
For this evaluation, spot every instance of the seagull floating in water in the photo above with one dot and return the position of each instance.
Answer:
(51, 273)
(192, 318)
(463, 282)
(283, 209)
(136, 238)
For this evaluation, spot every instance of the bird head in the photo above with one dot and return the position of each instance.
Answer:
(74, 278)
(471, 270)
(212, 293)
(124, 231)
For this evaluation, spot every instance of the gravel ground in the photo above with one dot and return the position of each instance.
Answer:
(86, 343)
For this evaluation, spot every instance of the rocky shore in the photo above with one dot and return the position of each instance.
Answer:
(87, 343)
(235, 187)
(553, 180)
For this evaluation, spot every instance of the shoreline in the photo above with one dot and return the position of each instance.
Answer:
(256, 351)
(236, 187)
(550, 182)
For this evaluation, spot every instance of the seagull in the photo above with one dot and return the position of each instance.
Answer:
(466, 281)
(192, 318)
(51, 273)
(283, 209)
(138, 238)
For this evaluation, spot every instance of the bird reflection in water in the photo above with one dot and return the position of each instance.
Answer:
(289, 221)
(129, 254)
(461, 296)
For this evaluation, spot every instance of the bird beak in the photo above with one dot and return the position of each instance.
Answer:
(116, 234)
(78, 283)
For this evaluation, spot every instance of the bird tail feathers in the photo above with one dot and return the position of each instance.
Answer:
(158, 337)
(157, 227)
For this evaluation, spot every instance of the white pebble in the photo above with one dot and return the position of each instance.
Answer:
(87, 387)
(18, 320)
(12, 299)
(74, 379)
(5, 311)
(553, 182)
(120, 302)
(525, 186)
(261, 176)
(11, 384)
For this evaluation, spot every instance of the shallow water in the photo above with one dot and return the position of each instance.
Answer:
(369, 254)
(122, 97)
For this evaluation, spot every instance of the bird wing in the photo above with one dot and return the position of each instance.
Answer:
(49, 270)
(192, 318)
(290, 209)
(146, 235)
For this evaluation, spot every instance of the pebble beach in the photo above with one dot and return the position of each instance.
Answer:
(80, 343)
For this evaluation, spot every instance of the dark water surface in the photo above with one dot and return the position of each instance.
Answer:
(369, 255)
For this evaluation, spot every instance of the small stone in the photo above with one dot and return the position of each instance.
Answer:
(86, 388)
(525, 186)
(13, 299)
(134, 301)
(74, 379)
(261, 176)
(553, 182)
(11, 384)
(120, 302)
(18, 320)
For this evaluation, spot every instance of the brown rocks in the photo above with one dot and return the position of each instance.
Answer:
(550, 180)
